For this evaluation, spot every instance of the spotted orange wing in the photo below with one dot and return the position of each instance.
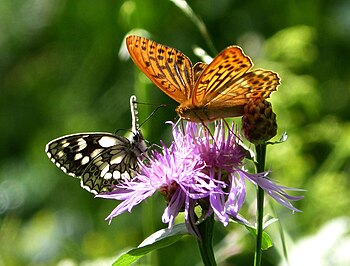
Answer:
(227, 66)
(198, 70)
(258, 83)
(166, 67)
(227, 81)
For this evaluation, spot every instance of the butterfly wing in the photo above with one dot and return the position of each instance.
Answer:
(91, 156)
(227, 81)
(100, 160)
(166, 67)
(72, 153)
(112, 166)
(258, 83)
(226, 67)
(198, 69)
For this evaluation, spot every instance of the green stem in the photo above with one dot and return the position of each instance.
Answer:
(260, 165)
(206, 243)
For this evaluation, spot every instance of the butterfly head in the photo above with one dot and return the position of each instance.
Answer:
(138, 142)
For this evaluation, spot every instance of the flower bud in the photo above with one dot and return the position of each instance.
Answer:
(259, 121)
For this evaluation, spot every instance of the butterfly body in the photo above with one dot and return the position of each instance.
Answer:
(101, 160)
(204, 92)
(207, 113)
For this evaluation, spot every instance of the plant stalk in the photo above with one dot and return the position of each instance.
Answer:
(260, 165)
(205, 244)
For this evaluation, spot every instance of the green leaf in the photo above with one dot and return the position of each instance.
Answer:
(268, 220)
(266, 239)
(282, 139)
(159, 239)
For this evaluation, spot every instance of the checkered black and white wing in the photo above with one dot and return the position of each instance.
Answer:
(100, 160)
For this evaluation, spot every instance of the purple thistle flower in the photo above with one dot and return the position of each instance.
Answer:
(198, 169)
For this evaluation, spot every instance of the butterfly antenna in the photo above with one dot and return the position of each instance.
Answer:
(134, 114)
(152, 113)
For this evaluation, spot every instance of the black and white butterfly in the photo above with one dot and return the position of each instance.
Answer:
(99, 159)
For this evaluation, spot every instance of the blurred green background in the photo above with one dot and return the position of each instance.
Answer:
(62, 72)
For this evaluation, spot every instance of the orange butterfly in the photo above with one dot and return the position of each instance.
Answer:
(205, 92)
